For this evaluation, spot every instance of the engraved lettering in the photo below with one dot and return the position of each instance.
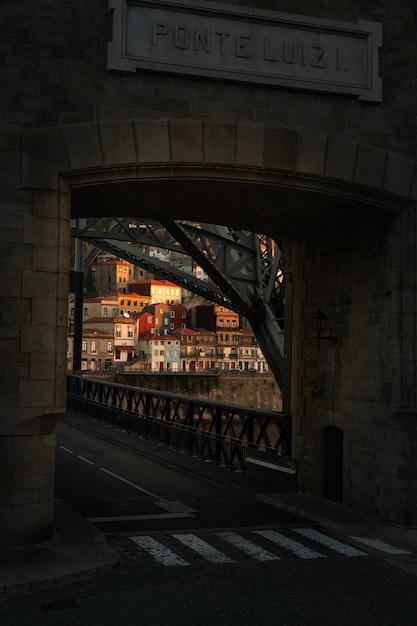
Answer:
(202, 38)
(181, 37)
(340, 61)
(222, 36)
(318, 57)
(249, 46)
(158, 29)
(268, 54)
(290, 52)
(303, 55)
(241, 41)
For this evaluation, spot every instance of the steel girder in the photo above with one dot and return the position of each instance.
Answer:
(244, 268)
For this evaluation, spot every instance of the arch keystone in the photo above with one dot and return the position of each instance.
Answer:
(83, 146)
(280, 149)
(186, 141)
(117, 141)
(219, 142)
(152, 141)
(250, 145)
(399, 174)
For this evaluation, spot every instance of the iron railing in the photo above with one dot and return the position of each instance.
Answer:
(224, 433)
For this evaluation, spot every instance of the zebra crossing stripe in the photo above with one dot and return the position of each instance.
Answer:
(333, 544)
(160, 553)
(289, 544)
(257, 552)
(380, 545)
(203, 548)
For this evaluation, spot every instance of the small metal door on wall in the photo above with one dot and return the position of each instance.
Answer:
(333, 463)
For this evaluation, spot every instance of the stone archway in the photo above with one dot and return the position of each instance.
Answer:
(336, 176)
(283, 182)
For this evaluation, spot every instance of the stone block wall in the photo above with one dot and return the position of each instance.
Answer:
(55, 82)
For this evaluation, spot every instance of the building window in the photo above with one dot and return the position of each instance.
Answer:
(172, 326)
(85, 311)
(184, 314)
(129, 332)
(84, 346)
(109, 346)
(172, 313)
(93, 346)
(105, 312)
(118, 331)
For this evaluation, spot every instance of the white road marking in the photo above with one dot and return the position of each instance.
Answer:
(329, 542)
(289, 544)
(168, 557)
(203, 548)
(160, 553)
(124, 480)
(66, 450)
(85, 460)
(380, 545)
(253, 550)
(174, 506)
(133, 518)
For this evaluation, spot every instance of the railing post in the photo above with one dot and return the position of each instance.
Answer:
(190, 427)
(148, 405)
(250, 428)
(219, 442)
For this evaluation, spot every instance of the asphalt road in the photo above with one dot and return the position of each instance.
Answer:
(217, 558)
(122, 492)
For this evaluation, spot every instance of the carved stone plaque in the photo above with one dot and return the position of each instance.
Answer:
(219, 41)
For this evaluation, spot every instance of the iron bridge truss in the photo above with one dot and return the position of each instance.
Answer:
(244, 270)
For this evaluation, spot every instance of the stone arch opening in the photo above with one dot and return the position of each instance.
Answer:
(301, 180)
(289, 184)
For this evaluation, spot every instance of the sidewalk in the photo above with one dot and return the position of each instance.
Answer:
(79, 550)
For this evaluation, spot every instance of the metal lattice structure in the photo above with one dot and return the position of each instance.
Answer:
(196, 421)
(244, 269)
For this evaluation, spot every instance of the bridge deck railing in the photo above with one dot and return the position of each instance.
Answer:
(224, 433)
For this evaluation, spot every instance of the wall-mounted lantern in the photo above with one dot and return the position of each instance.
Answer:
(319, 323)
